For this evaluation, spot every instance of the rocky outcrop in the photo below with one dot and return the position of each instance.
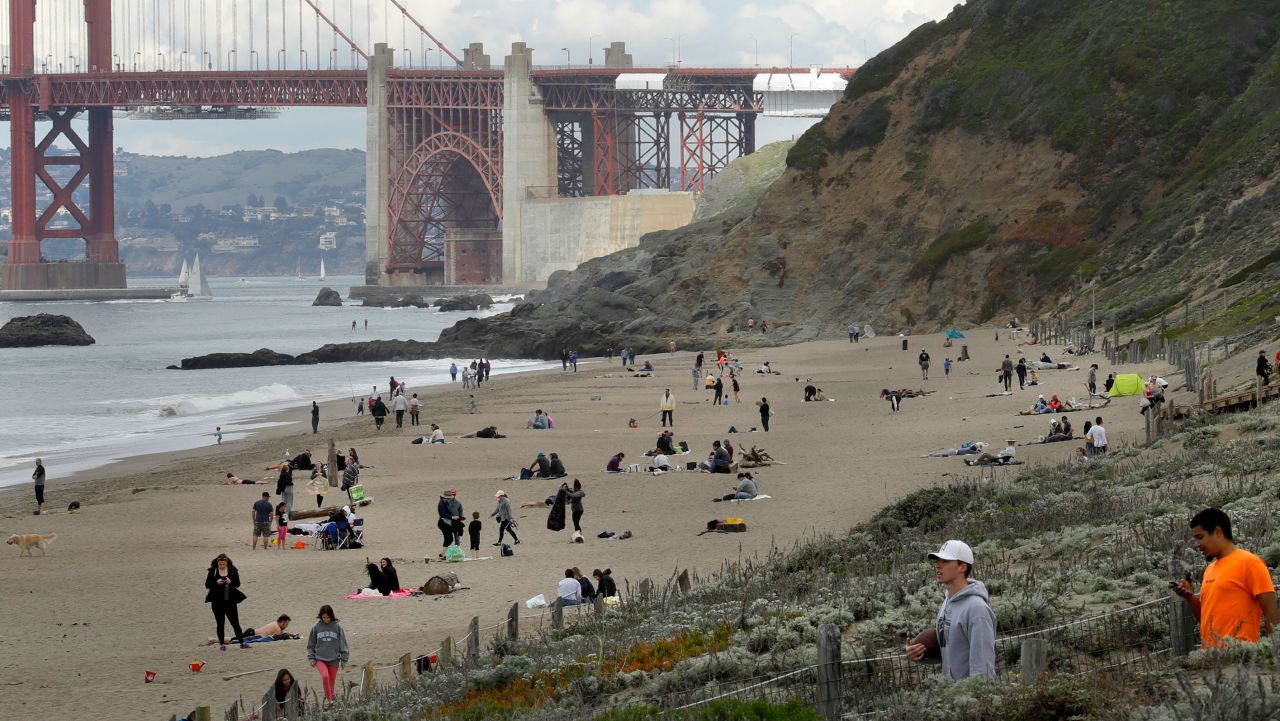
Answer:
(260, 357)
(327, 296)
(44, 329)
(474, 301)
(407, 300)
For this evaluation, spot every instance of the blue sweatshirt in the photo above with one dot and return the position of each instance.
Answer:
(967, 633)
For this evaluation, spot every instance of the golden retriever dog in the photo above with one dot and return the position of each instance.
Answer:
(28, 541)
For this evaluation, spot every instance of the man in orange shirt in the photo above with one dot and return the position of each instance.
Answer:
(1236, 592)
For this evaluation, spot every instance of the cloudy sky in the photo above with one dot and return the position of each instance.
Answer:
(708, 33)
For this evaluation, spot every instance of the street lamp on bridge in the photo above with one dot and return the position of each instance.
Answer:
(675, 49)
(568, 59)
(591, 56)
(792, 61)
(755, 45)
(229, 54)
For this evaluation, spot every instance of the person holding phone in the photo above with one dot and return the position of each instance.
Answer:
(1237, 598)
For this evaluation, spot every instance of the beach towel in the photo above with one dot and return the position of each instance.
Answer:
(995, 465)
(555, 519)
(760, 497)
(371, 593)
(482, 558)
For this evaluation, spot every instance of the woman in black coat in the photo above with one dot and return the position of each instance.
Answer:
(223, 582)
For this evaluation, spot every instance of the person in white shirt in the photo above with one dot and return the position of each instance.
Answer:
(1097, 437)
(660, 462)
(569, 591)
(437, 435)
(667, 404)
(400, 404)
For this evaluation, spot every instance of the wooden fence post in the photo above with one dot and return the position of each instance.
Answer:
(1181, 630)
(597, 603)
(367, 679)
(829, 698)
(203, 713)
(446, 652)
(1034, 659)
(683, 581)
(233, 713)
(557, 615)
(473, 642)
(513, 622)
(406, 667)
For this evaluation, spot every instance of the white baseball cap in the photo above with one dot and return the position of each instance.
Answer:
(499, 494)
(953, 551)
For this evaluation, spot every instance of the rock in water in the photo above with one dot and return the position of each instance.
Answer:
(44, 329)
(464, 302)
(260, 357)
(327, 296)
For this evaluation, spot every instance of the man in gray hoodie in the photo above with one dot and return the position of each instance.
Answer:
(965, 626)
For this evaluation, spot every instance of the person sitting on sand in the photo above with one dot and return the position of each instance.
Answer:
(615, 464)
(718, 460)
(809, 392)
(569, 591)
(389, 570)
(557, 466)
(632, 424)
(1055, 405)
(1033, 379)
(490, 432)
(1044, 358)
(666, 443)
(765, 369)
(660, 462)
(1002, 458)
(437, 435)
(275, 628)
(605, 584)
(746, 489)
(378, 581)
(541, 467)
(539, 422)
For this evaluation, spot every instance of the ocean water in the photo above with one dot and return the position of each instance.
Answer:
(84, 407)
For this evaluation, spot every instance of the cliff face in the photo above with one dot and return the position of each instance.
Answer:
(1005, 160)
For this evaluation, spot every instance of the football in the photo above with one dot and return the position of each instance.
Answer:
(929, 638)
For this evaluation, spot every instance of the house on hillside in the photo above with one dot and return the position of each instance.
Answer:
(328, 240)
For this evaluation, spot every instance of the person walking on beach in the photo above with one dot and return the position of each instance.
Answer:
(327, 650)
(667, 405)
(1093, 380)
(733, 378)
(471, 404)
(217, 434)
(261, 517)
(506, 520)
(284, 487)
(1006, 372)
(1021, 369)
(487, 368)
(1236, 592)
(38, 477)
(415, 407)
(763, 403)
(360, 407)
(853, 332)
(400, 404)
(223, 584)
(1264, 368)
(315, 417)
(924, 365)
(719, 389)
(353, 326)
(564, 359)
(453, 372)
(366, 324)
(965, 625)
(379, 413)
(946, 367)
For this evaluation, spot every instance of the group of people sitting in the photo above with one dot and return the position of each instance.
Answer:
(576, 588)
(540, 421)
(1059, 430)
(383, 579)
(1004, 457)
(544, 466)
(1041, 406)
(813, 393)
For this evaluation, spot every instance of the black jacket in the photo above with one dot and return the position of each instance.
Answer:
(284, 481)
(221, 593)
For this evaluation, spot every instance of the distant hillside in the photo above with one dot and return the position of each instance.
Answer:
(303, 178)
(1018, 157)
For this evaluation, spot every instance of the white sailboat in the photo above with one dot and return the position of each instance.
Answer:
(199, 284)
(192, 285)
(322, 269)
(298, 270)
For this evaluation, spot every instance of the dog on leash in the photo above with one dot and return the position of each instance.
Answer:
(28, 541)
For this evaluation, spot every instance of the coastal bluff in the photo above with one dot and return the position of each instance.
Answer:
(31, 331)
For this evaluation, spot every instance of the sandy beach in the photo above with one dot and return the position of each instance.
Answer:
(121, 589)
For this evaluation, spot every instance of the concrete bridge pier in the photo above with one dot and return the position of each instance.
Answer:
(528, 154)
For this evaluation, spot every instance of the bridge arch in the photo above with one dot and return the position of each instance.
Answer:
(450, 184)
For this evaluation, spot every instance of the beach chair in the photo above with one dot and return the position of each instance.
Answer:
(357, 534)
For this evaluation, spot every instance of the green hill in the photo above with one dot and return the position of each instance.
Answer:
(321, 176)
